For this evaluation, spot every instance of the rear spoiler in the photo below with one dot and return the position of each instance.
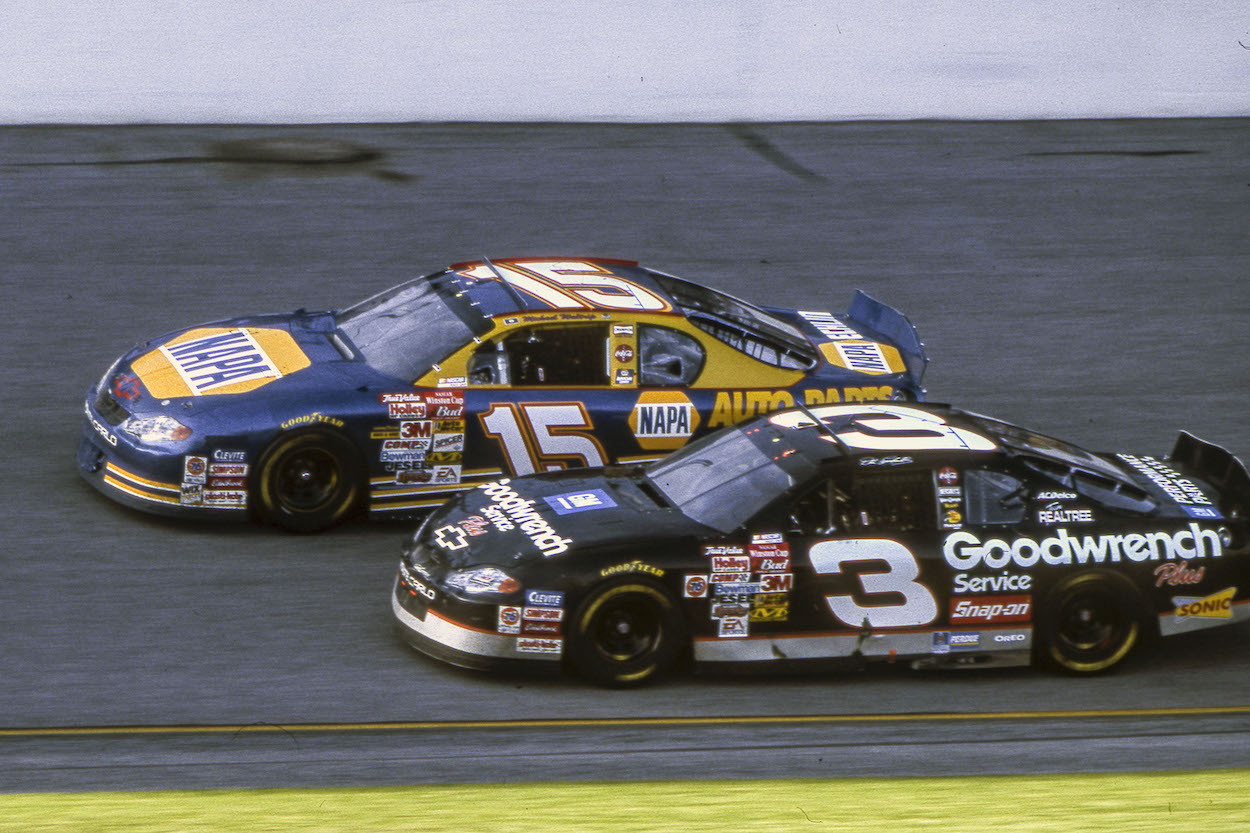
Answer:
(1217, 466)
(892, 324)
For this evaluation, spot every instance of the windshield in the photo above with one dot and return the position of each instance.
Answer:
(405, 330)
(726, 479)
(740, 325)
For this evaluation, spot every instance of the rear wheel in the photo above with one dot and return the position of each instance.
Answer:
(309, 481)
(1092, 622)
(626, 633)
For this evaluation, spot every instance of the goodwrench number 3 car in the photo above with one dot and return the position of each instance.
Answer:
(483, 370)
(917, 533)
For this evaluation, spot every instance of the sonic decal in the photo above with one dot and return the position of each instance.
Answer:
(219, 360)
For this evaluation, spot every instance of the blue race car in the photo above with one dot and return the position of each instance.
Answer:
(485, 369)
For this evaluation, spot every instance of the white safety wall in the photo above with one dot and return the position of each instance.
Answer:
(630, 60)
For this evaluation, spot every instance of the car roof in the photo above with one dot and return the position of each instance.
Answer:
(575, 284)
(884, 431)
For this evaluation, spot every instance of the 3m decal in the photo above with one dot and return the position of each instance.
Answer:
(663, 420)
(543, 436)
(888, 428)
(965, 551)
(889, 597)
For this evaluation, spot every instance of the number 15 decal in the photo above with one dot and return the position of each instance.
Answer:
(543, 436)
(898, 578)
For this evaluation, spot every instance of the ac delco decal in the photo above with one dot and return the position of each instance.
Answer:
(991, 610)
(219, 360)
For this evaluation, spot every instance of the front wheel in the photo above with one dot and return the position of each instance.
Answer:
(626, 633)
(1092, 622)
(309, 481)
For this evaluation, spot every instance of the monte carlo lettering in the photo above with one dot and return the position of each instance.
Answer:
(215, 361)
(965, 551)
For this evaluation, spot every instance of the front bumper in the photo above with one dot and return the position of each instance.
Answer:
(428, 625)
(173, 484)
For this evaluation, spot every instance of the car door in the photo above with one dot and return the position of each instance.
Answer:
(546, 393)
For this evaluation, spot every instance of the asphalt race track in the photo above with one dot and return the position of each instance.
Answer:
(1088, 279)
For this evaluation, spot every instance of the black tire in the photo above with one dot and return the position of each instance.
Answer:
(309, 481)
(1092, 622)
(626, 633)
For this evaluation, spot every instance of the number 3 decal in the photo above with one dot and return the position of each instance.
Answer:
(543, 437)
(898, 578)
(888, 428)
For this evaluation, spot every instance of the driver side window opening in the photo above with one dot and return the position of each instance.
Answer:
(895, 501)
(992, 497)
(667, 358)
(537, 356)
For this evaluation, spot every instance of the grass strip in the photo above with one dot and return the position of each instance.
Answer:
(1114, 803)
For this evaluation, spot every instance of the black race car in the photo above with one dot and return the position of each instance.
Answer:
(874, 531)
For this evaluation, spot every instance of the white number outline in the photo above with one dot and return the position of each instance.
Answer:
(572, 284)
(919, 607)
(894, 427)
(543, 436)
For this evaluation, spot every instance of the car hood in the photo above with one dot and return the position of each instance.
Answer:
(239, 355)
(552, 516)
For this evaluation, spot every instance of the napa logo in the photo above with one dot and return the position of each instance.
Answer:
(663, 420)
(219, 360)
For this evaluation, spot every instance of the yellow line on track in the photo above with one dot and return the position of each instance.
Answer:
(616, 722)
